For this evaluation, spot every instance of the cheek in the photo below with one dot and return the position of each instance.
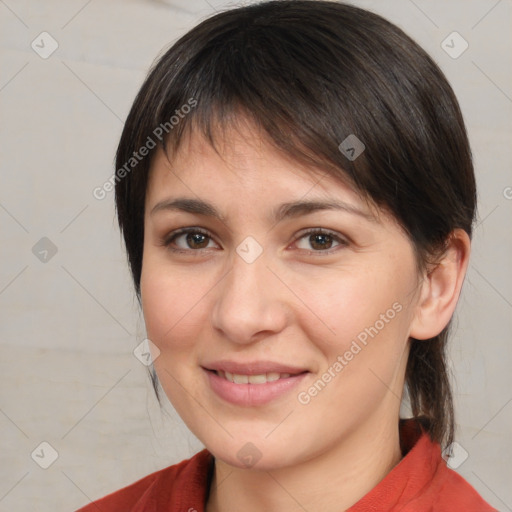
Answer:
(174, 313)
(370, 315)
(173, 305)
(350, 304)
(363, 361)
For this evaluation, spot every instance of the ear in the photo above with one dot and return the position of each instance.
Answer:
(441, 288)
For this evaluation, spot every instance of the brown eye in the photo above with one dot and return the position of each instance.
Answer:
(320, 241)
(190, 239)
(197, 240)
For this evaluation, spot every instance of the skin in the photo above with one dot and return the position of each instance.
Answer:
(300, 303)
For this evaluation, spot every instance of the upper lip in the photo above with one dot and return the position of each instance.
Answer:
(253, 367)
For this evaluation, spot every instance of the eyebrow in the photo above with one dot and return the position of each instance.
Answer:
(284, 211)
(189, 205)
(298, 208)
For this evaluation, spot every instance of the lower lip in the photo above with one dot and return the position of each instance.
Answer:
(249, 395)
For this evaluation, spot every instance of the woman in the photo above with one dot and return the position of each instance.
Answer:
(295, 189)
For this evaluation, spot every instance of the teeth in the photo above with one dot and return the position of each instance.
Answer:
(240, 379)
(257, 379)
(252, 379)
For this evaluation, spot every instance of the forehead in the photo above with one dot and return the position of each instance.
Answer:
(241, 158)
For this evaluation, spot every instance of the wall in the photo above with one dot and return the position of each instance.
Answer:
(69, 320)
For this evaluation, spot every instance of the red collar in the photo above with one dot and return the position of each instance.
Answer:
(420, 482)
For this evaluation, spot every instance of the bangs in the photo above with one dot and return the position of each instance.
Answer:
(285, 80)
(239, 91)
(342, 91)
(307, 88)
(217, 125)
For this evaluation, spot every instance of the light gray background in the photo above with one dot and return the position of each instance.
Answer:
(69, 325)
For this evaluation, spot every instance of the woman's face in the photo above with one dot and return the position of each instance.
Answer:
(281, 304)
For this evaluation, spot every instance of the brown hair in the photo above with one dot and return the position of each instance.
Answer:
(310, 73)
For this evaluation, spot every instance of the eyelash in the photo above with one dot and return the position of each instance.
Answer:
(167, 241)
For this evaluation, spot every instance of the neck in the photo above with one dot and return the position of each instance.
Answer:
(330, 482)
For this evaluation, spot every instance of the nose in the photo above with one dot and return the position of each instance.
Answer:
(249, 305)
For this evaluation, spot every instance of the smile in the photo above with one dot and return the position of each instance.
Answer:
(261, 378)
(253, 385)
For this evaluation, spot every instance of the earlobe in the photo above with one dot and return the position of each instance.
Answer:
(441, 288)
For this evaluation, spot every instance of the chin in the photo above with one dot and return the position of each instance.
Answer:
(254, 452)
(250, 457)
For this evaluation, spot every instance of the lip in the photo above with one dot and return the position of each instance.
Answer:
(252, 395)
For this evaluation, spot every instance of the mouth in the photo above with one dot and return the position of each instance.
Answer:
(252, 384)
(261, 378)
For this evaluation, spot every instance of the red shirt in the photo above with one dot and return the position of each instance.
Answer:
(420, 482)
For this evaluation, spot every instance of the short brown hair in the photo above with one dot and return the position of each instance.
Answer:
(310, 73)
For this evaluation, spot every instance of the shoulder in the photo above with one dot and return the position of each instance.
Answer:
(421, 481)
(452, 492)
(438, 485)
(184, 484)
(435, 485)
